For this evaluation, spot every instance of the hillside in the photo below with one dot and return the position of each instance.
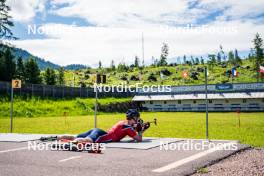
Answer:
(43, 64)
(77, 74)
(75, 67)
(17, 52)
(147, 75)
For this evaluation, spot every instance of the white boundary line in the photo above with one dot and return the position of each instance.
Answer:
(71, 158)
(189, 159)
(12, 150)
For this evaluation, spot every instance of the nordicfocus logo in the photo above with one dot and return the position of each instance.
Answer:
(139, 87)
(33, 145)
(192, 145)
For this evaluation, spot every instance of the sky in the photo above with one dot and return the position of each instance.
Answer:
(86, 31)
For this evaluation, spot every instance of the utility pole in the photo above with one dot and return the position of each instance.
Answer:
(95, 106)
(206, 101)
(11, 109)
(143, 50)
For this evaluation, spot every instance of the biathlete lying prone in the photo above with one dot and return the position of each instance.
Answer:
(129, 127)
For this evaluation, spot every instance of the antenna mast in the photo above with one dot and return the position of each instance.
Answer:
(143, 52)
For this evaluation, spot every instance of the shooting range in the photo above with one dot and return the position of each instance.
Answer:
(131, 88)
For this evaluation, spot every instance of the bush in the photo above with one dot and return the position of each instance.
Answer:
(152, 77)
(123, 77)
(166, 72)
(194, 75)
(134, 78)
(200, 69)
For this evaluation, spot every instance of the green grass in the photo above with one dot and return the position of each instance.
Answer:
(181, 125)
(37, 107)
(202, 171)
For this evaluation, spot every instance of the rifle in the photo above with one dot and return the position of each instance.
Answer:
(141, 126)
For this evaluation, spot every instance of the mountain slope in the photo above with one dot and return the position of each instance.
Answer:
(75, 67)
(43, 64)
(25, 55)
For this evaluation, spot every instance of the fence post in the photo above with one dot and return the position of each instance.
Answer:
(53, 91)
(43, 91)
(32, 90)
(7, 88)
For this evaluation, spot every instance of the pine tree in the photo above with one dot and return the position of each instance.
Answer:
(122, 67)
(222, 54)
(164, 55)
(113, 65)
(20, 70)
(192, 60)
(219, 58)
(32, 72)
(212, 61)
(100, 65)
(5, 21)
(238, 60)
(212, 58)
(61, 79)
(202, 61)
(184, 59)
(258, 53)
(8, 65)
(136, 64)
(197, 61)
(231, 58)
(2, 68)
(50, 76)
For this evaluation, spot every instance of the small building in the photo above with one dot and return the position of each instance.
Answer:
(221, 97)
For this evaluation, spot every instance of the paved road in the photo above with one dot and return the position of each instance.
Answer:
(16, 159)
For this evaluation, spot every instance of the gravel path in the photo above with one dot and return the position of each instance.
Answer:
(246, 163)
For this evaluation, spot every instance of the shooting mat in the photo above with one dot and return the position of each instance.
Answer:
(147, 143)
(126, 143)
(15, 137)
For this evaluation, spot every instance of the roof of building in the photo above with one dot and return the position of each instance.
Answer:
(199, 96)
(212, 88)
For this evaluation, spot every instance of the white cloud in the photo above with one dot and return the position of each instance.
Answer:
(137, 13)
(25, 11)
(233, 9)
(88, 45)
(125, 12)
(118, 25)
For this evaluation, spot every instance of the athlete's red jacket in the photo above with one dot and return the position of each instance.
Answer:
(117, 132)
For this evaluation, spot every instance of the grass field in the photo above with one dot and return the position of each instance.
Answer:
(38, 107)
(181, 125)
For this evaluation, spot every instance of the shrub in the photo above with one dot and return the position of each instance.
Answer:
(123, 77)
(134, 78)
(166, 72)
(152, 77)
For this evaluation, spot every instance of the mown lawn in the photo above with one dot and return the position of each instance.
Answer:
(38, 107)
(181, 125)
